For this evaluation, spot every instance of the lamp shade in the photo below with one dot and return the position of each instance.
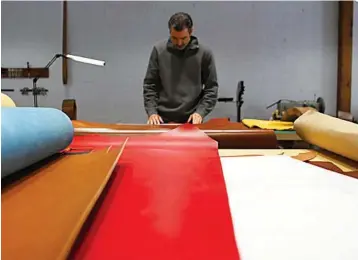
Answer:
(85, 60)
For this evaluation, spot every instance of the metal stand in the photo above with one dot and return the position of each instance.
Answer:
(35, 90)
(239, 99)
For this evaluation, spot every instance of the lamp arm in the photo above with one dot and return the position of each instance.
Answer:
(49, 65)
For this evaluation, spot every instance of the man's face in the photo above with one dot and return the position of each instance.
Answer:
(180, 39)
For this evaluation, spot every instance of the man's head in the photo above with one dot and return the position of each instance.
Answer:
(180, 28)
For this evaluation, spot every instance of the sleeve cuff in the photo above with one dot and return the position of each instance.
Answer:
(152, 112)
(201, 112)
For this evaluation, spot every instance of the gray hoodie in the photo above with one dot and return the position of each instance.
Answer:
(180, 82)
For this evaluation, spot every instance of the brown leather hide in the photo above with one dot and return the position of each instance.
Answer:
(43, 213)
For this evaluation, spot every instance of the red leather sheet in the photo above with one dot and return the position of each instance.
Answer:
(168, 201)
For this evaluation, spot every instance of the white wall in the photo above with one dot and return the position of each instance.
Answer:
(280, 49)
(354, 104)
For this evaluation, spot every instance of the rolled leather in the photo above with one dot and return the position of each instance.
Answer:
(329, 133)
(31, 134)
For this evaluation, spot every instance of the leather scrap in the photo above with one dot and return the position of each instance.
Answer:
(268, 124)
(304, 157)
(243, 155)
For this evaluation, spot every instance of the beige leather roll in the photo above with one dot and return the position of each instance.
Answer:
(329, 133)
(6, 101)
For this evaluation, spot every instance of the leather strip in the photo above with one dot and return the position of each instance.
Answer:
(168, 202)
(43, 213)
(332, 167)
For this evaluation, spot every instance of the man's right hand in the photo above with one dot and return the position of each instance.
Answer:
(154, 120)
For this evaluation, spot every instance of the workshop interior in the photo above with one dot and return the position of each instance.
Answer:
(270, 172)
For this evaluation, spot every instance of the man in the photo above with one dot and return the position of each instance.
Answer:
(181, 83)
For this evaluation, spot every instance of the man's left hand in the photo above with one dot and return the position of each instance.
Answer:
(195, 118)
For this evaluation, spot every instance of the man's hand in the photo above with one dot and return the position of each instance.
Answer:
(195, 118)
(154, 120)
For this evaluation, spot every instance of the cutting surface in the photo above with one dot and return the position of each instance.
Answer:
(283, 209)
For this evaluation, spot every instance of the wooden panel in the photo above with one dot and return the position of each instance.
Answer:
(69, 107)
(24, 72)
(345, 33)
(43, 214)
(64, 44)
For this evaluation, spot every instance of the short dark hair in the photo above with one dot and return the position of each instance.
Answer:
(180, 21)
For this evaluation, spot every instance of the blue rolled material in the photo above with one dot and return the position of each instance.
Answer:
(30, 134)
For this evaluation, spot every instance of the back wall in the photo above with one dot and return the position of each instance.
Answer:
(281, 50)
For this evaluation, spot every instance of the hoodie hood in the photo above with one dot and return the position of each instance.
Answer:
(192, 45)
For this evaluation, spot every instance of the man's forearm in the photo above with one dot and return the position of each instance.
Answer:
(150, 92)
(210, 95)
(208, 102)
(150, 99)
